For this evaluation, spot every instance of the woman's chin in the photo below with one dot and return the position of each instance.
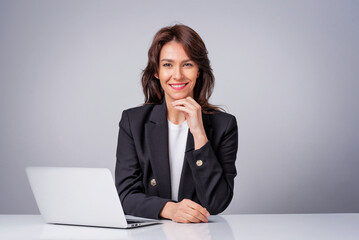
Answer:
(175, 97)
(181, 96)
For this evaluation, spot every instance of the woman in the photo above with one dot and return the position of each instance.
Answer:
(176, 153)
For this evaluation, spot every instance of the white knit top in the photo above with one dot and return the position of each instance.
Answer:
(177, 139)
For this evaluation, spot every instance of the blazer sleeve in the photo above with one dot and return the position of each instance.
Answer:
(214, 171)
(128, 177)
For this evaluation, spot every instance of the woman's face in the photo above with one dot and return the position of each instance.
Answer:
(177, 72)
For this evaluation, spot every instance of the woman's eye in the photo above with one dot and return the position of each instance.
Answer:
(167, 65)
(188, 65)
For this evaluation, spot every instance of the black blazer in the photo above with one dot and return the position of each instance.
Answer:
(142, 168)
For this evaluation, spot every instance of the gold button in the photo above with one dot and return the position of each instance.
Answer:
(199, 163)
(153, 182)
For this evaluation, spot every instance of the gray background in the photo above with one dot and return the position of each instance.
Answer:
(288, 70)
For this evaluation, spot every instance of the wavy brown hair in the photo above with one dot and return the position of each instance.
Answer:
(197, 52)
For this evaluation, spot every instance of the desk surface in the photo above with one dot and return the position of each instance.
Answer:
(243, 227)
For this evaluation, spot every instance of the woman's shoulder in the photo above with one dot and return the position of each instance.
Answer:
(139, 109)
(221, 119)
(220, 115)
(139, 114)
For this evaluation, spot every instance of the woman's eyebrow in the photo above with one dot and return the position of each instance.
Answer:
(170, 60)
(167, 60)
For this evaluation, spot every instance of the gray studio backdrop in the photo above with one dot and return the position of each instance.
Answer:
(288, 70)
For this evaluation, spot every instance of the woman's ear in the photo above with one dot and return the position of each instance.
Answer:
(156, 75)
(198, 74)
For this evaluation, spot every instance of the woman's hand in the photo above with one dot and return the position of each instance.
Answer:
(185, 211)
(193, 113)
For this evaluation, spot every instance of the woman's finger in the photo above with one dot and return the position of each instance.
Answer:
(189, 211)
(193, 101)
(197, 207)
(184, 102)
(194, 209)
(195, 215)
(193, 218)
(187, 214)
(184, 109)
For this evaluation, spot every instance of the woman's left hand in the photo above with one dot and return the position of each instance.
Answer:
(193, 113)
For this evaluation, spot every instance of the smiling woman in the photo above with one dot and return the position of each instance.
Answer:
(177, 73)
(176, 154)
(192, 49)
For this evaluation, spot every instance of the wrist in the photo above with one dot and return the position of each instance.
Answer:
(200, 140)
(167, 210)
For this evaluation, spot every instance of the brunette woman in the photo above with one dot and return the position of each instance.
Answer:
(176, 153)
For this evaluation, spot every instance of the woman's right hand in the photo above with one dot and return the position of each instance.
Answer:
(185, 211)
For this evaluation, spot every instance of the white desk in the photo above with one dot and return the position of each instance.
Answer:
(241, 227)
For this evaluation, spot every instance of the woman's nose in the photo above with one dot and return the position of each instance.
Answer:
(177, 74)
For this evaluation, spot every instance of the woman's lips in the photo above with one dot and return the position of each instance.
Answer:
(178, 86)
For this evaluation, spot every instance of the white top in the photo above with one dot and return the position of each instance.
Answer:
(177, 139)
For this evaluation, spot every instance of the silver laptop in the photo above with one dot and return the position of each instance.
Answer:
(79, 196)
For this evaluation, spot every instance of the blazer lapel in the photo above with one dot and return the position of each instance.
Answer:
(156, 135)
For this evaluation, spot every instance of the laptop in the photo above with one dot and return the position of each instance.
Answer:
(80, 196)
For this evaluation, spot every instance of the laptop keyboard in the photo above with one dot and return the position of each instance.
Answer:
(138, 221)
